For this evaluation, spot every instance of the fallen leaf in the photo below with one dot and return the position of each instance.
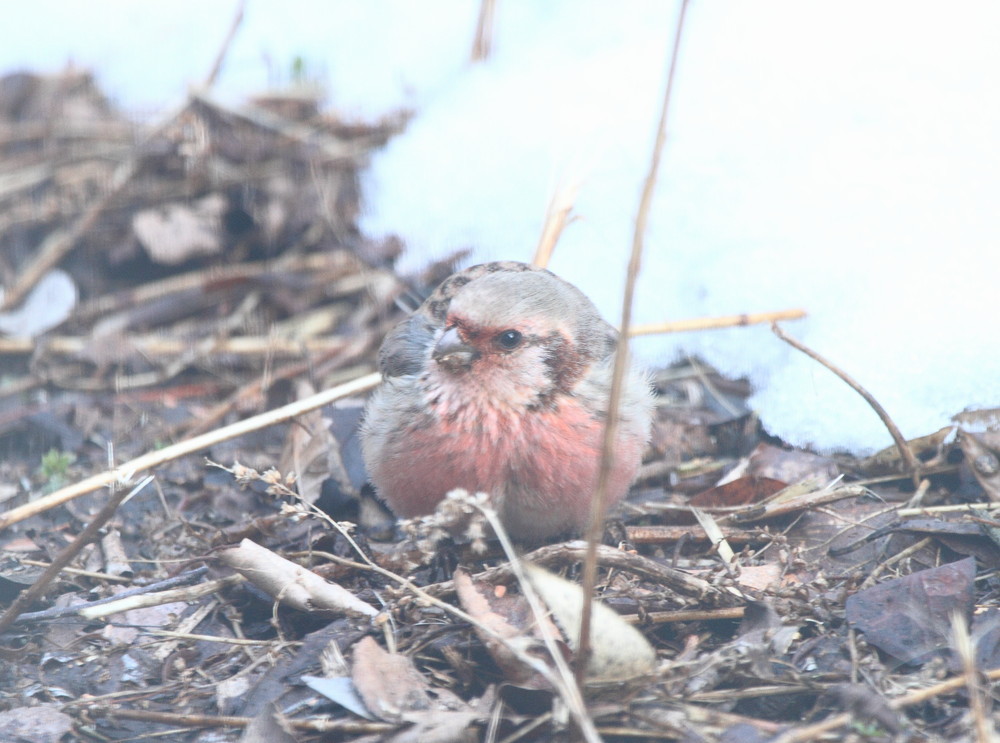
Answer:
(341, 690)
(618, 650)
(509, 616)
(174, 233)
(910, 617)
(388, 683)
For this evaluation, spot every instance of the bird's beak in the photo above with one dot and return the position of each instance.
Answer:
(451, 353)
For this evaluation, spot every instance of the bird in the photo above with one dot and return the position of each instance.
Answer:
(499, 383)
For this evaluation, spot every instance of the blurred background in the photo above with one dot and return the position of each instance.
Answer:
(839, 158)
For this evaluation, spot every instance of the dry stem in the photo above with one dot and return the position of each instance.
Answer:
(904, 449)
(714, 323)
(621, 363)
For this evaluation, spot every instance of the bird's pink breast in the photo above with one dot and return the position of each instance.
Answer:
(540, 466)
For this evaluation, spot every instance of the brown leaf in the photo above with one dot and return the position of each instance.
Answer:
(910, 617)
(790, 465)
(739, 492)
(509, 616)
(388, 683)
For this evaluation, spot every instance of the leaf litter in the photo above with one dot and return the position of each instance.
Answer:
(164, 282)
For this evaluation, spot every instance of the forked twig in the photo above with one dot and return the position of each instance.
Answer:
(557, 216)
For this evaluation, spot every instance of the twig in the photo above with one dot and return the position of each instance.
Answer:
(556, 219)
(335, 265)
(570, 553)
(76, 571)
(141, 601)
(189, 446)
(318, 725)
(714, 323)
(904, 448)
(812, 732)
(63, 559)
(984, 730)
(684, 615)
(226, 43)
(898, 557)
(184, 578)
(156, 345)
(621, 364)
(482, 45)
(955, 508)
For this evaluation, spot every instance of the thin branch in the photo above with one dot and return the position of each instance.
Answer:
(714, 323)
(904, 448)
(188, 446)
(621, 364)
(482, 44)
(557, 216)
(226, 44)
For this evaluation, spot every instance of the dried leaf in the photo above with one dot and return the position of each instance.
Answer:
(739, 492)
(339, 689)
(618, 650)
(509, 616)
(388, 683)
(313, 454)
(910, 617)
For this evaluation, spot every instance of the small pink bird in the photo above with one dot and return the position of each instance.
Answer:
(499, 383)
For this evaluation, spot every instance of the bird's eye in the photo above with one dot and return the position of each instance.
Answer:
(508, 339)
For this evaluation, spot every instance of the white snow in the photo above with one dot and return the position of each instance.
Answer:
(839, 157)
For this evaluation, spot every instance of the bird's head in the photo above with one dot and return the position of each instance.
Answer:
(518, 336)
